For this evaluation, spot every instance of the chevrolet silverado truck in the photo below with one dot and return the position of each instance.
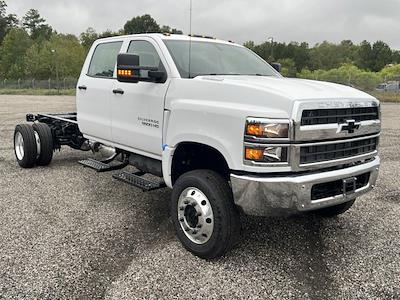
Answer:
(219, 126)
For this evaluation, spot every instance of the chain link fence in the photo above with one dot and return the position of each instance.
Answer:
(50, 84)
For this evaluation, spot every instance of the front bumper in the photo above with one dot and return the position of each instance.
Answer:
(263, 196)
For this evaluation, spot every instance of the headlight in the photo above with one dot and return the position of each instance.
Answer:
(267, 154)
(264, 128)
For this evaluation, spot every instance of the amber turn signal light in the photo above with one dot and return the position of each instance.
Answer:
(267, 130)
(125, 73)
(255, 129)
(254, 154)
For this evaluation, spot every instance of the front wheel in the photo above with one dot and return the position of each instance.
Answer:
(333, 211)
(205, 218)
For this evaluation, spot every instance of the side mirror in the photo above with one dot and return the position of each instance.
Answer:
(157, 76)
(128, 68)
(277, 66)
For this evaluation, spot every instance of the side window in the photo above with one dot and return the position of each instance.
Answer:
(104, 60)
(148, 55)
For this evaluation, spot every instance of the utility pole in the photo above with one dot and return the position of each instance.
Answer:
(271, 40)
(56, 65)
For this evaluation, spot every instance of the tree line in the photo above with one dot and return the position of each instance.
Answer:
(31, 48)
(325, 56)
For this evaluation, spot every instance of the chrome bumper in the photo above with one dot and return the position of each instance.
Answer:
(264, 196)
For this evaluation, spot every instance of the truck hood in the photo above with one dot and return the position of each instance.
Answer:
(294, 89)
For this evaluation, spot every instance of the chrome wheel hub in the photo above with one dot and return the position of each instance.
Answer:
(19, 146)
(195, 215)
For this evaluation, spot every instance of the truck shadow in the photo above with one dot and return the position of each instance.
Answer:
(297, 244)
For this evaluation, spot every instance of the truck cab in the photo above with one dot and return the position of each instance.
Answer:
(225, 131)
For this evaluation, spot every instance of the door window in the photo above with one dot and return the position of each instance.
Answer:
(148, 56)
(104, 60)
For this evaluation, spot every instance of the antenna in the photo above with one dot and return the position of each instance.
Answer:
(190, 38)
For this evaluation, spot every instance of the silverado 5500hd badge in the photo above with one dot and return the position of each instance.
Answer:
(149, 122)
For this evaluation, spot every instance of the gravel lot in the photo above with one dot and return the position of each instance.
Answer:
(69, 233)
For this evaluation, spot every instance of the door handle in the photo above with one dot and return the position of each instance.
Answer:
(118, 91)
(82, 87)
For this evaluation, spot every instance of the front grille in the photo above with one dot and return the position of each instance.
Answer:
(335, 188)
(320, 153)
(339, 115)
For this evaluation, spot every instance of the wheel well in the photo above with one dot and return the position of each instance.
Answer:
(194, 156)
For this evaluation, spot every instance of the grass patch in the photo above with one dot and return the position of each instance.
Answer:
(38, 92)
(387, 96)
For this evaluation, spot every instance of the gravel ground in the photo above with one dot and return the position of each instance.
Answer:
(68, 233)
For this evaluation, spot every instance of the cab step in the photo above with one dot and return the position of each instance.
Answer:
(137, 180)
(101, 166)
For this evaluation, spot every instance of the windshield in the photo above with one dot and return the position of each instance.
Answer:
(216, 59)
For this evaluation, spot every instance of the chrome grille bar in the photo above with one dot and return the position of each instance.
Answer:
(338, 115)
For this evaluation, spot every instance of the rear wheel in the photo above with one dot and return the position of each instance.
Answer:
(43, 131)
(205, 218)
(333, 211)
(25, 145)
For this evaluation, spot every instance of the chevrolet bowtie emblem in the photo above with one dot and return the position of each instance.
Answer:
(350, 126)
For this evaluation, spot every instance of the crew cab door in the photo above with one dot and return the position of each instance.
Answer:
(138, 108)
(95, 90)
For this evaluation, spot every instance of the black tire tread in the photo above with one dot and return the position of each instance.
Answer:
(30, 148)
(229, 235)
(46, 144)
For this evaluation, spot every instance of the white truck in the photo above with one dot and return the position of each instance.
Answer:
(221, 127)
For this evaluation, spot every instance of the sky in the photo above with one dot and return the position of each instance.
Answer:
(312, 21)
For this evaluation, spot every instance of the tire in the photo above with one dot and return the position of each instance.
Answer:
(46, 144)
(215, 209)
(25, 146)
(333, 211)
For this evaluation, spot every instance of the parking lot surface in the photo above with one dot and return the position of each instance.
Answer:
(67, 232)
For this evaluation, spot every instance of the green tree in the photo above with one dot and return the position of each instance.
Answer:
(88, 37)
(168, 29)
(62, 53)
(347, 74)
(249, 44)
(324, 56)
(141, 24)
(6, 21)
(364, 56)
(396, 57)
(381, 56)
(288, 67)
(36, 25)
(12, 53)
(390, 72)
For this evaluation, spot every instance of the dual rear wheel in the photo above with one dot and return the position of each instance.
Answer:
(33, 145)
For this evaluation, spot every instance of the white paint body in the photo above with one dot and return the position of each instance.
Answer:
(210, 110)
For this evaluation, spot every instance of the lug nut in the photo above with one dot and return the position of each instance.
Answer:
(181, 208)
(194, 204)
(199, 226)
(199, 214)
(194, 231)
(181, 220)
(186, 202)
